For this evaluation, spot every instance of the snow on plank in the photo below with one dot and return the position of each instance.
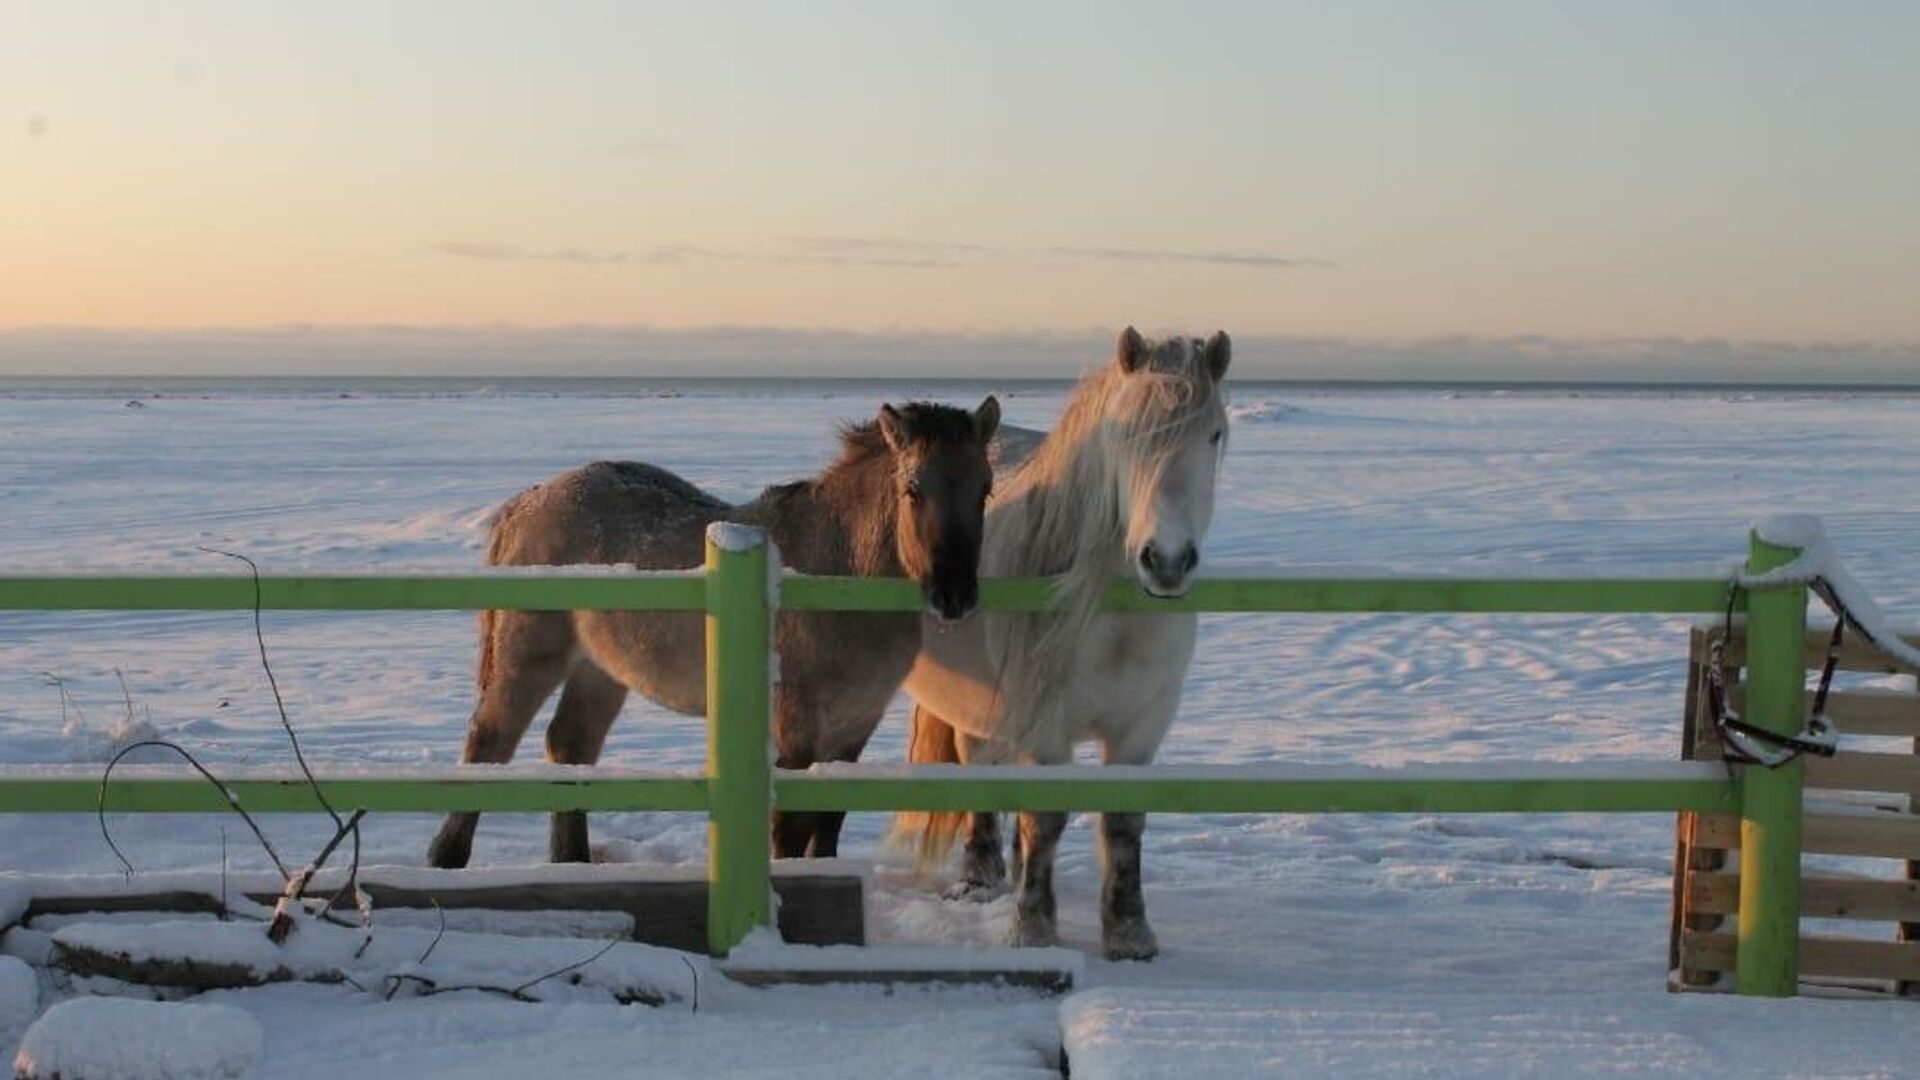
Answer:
(763, 960)
(1140, 1034)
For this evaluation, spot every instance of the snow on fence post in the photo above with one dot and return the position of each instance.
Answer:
(1767, 960)
(739, 776)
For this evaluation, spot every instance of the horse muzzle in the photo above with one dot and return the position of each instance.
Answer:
(1167, 576)
(949, 606)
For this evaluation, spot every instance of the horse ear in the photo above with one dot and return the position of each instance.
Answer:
(1219, 353)
(1131, 351)
(986, 418)
(893, 428)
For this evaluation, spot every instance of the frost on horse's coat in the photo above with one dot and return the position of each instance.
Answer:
(1124, 484)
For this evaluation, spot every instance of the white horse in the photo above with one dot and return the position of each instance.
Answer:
(1123, 484)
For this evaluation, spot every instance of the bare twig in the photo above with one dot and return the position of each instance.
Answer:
(279, 703)
(299, 756)
(531, 983)
(125, 694)
(694, 974)
(438, 934)
(233, 801)
(282, 924)
(429, 988)
(66, 699)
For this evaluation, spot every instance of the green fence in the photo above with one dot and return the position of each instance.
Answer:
(739, 591)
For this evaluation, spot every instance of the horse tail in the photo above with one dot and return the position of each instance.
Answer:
(496, 556)
(932, 741)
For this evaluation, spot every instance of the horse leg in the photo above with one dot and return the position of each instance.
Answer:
(1124, 933)
(589, 703)
(524, 656)
(984, 865)
(1034, 907)
(793, 731)
(825, 843)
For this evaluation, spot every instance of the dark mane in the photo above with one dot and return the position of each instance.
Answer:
(939, 425)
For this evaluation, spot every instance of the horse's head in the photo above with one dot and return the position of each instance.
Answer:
(1169, 419)
(941, 481)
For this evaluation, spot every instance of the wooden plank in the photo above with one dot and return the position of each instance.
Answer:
(815, 909)
(1045, 981)
(1820, 957)
(1878, 899)
(1910, 930)
(1890, 836)
(1855, 771)
(1866, 711)
(1699, 741)
(1855, 653)
(1698, 858)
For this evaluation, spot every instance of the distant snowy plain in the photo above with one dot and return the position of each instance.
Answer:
(1320, 921)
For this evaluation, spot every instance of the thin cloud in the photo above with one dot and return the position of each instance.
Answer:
(908, 355)
(677, 254)
(872, 246)
(1215, 258)
(499, 252)
(949, 250)
(892, 253)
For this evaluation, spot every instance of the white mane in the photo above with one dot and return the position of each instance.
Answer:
(1059, 514)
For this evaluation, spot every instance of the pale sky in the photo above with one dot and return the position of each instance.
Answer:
(1392, 183)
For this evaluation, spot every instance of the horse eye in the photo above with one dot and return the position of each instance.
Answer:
(1215, 441)
(913, 490)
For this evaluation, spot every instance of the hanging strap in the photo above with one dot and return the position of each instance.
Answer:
(1749, 744)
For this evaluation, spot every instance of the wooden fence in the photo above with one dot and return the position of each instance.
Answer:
(739, 592)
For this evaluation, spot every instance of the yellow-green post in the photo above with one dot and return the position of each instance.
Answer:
(1767, 963)
(739, 777)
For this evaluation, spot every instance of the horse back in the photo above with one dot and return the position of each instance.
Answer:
(605, 512)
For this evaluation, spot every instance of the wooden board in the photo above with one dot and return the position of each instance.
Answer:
(1877, 711)
(1890, 836)
(815, 909)
(1877, 899)
(1706, 881)
(1044, 981)
(1855, 653)
(1820, 957)
(1855, 771)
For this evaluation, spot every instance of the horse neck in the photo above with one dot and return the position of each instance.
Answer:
(857, 496)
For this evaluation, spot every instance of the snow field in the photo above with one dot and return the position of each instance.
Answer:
(1330, 915)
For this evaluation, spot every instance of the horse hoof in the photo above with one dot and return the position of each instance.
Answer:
(975, 892)
(1132, 941)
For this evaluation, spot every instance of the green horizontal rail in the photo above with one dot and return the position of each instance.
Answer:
(325, 592)
(538, 592)
(1327, 595)
(189, 794)
(1260, 796)
(802, 791)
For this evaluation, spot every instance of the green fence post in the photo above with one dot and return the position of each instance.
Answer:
(1768, 963)
(739, 775)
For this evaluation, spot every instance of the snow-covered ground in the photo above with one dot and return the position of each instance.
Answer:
(1324, 917)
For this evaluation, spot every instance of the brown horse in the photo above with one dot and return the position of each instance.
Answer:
(906, 498)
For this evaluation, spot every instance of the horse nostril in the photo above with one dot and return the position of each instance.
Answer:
(1149, 558)
(1189, 559)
